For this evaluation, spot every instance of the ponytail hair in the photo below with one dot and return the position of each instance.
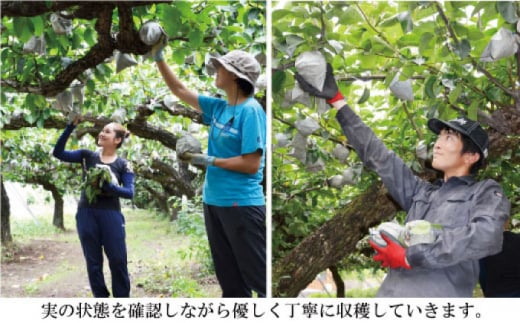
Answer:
(121, 132)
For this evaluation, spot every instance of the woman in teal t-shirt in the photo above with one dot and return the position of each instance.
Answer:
(234, 203)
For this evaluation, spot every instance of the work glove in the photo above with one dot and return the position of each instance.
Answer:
(392, 255)
(330, 91)
(198, 159)
(157, 49)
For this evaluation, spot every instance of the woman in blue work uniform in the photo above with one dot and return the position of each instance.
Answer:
(234, 203)
(100, 224)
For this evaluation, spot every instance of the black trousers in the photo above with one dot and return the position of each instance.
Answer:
(237, 239)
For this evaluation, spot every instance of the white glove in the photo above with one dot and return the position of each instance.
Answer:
(392, 229)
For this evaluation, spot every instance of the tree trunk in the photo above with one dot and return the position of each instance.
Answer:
(57, 195)
(333, 241)
(57, 219)
(338, 281)
(5, 225)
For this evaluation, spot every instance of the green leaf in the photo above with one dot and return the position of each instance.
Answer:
(186, 12)
(473, 110)
(252, 14)
(38, 24)
(278, 81)
(40, 123)
(91, 85)
(454, 95)
(23, 28)
(365, 96)
(463, 49)
(196, 38)
(381, 46)
(90, 37)
(76, 40)
(388, 22)
(405, 19)
(180, 54)
(350, 16)
(493, 93)
(425, 42)
(30, 117)
(278, 15)
(460, 29)
(170, 19)
(429, 87)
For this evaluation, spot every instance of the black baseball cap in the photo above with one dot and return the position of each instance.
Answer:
(466, 127)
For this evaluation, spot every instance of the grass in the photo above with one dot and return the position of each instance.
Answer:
(157, 249)
(28, 229)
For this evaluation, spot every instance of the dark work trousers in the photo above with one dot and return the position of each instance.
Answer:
(237, 239)
(104, 229)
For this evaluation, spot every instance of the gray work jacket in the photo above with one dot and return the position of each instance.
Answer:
(472, 215)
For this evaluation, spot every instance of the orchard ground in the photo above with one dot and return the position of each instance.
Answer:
(45, 262)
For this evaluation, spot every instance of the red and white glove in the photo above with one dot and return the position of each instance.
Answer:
(392, 255)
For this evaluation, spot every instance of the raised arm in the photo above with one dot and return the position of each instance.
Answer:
(71, 156)
(173, 82)
(177, 87)
(397, 177)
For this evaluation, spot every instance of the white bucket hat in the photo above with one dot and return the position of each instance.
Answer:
(241, 63)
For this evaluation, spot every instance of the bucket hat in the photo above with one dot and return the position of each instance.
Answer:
(241, 63)
(466, 127)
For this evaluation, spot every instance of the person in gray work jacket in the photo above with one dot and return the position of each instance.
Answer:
(472, 213)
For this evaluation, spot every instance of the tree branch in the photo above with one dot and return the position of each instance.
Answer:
(36, 8)
(127, 41)
(412, 121)
(174, 177)
(290, 124)
(332, 242)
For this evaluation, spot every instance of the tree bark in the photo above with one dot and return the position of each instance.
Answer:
(57, 218)
(333, 241)
(5, 223)
(340, 284)
(81, 9)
